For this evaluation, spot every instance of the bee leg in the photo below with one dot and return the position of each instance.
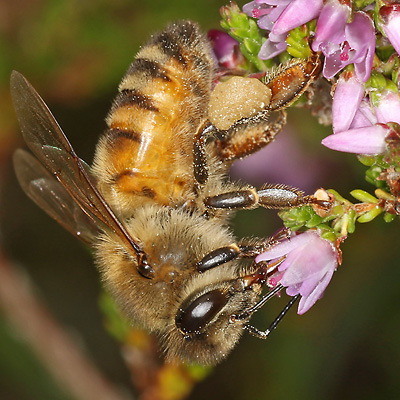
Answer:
(218, 257)
(249, 136)
(200, 168)
(269, 196)
(264, 334)
(286, 83)
(244, 249)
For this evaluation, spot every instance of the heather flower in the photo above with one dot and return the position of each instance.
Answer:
(226, 49)
(346, 101)
(390, 24)
(367, 140)
(366, 133)
(308, 267)
(279, 17)
(330, 26)
(364, 115)
(387, 108)
(345, 43)
(266, 11)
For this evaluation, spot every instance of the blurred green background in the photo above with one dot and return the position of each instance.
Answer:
(75, 53)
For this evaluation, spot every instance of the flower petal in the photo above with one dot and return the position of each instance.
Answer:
(285, 247)
(360, 35)
(333, 64)
(267, 12)
(364, 116)
(306, 302)
(388, 109)
(270, 49)
(367, 140)
(391, 26)
(330, 25)
(297, 13)
(224, 47)
(347, 98)
(248, 8)
(308, 263)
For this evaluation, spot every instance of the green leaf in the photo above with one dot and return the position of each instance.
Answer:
(389, 217)
(363, 196)
(370, 215)
(351, 223)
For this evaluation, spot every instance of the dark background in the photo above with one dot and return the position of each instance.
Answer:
(75, 54)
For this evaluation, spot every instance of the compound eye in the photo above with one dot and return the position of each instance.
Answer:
(193, 317)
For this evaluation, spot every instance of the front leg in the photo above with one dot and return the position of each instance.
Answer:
(246, 248)
(269, 196)
(200, 166)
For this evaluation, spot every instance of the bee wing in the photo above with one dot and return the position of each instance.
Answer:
(47, 141)
(48, 193)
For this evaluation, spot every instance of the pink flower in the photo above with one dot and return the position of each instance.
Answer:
(279, 17)
(266, 11)
(387, 108)
(360, 128)
(297, 13)
(368, 140)
(364, 115)
(331, 25)
(345, 43)
(347, 98)
(308, 267)
(226, 49)
(390, 24)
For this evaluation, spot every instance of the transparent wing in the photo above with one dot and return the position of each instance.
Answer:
(47, 141)
(48, 193)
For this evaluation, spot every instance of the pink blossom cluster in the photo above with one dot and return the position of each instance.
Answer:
(363, 114)
(345, 36)
(360, 124)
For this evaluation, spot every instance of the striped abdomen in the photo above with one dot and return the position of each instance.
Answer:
(162, 100)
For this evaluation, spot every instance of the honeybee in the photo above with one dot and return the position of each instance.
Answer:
(156, 203)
